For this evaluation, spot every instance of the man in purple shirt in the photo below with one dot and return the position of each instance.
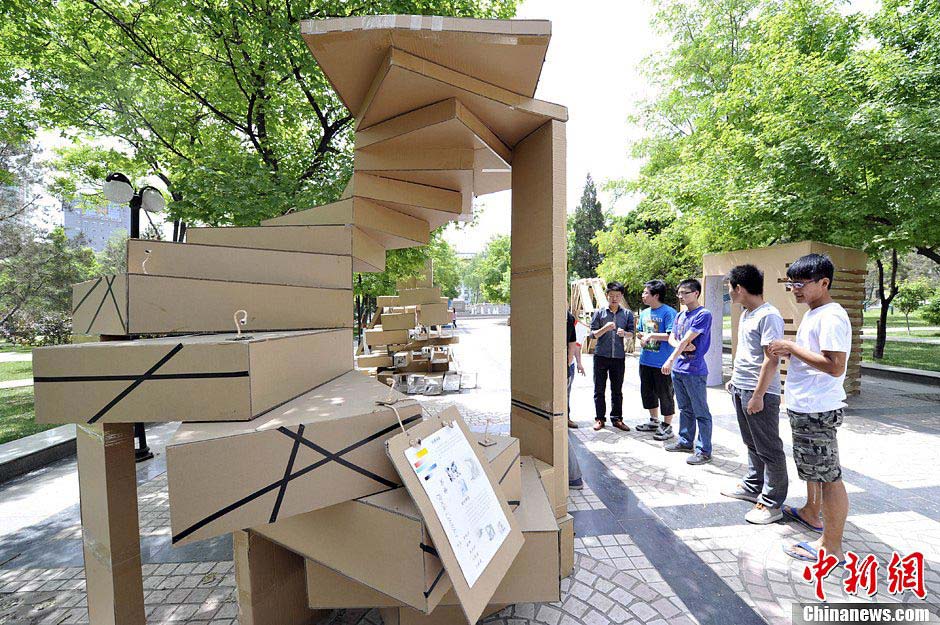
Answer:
(691, 337)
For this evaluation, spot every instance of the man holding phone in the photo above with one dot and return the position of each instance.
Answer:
(609, 326)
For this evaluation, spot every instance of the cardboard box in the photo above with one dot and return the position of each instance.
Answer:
(417, 384)
(451, 381)
(378, 336)
(401, 359)
(190, 378)
(532, 578)
(147, 304)
(364, 361)
(357, 576)
(434, 205)
(271, 583)
(367, 253)
(330, 440)
(566, 542)
(385, 301)
(427, 295)
(398, 321)
(392, 229)
(433, 314)
(238, 264)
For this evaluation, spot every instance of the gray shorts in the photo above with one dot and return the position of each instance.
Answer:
(815, 448)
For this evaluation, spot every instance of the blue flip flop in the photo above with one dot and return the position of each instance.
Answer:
(809, 549)
(799, 556)
(793, 514)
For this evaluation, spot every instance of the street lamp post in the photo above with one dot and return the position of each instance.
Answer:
(118, 188)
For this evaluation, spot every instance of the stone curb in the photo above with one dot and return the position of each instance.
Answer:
(36, 451)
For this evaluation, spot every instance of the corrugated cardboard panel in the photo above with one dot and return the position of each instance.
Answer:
(240, 264)
(398, 321)
(190, 378)
(505, 53)
(107, 483)
(405, 82)
(390, 228)
(473, 600)
(166, 305)
(566, 542)
(383, 301)
(365, 361)
(368, 255)
(379, 337)
(412, 297)
(323, 448)
(271, 589)
(433, 314)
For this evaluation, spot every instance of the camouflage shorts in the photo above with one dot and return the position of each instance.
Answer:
(815, 448)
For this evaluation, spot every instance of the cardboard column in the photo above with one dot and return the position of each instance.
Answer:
(713, 300)
(538, 288)
(107, 481)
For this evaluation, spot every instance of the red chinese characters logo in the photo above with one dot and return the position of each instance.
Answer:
(903, 573)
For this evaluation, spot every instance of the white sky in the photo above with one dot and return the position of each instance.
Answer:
(592, 67)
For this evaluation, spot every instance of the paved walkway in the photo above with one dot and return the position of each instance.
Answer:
(16, 383)
(15, 357)
(656, 542)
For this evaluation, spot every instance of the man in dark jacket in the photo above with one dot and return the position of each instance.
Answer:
(609, 326)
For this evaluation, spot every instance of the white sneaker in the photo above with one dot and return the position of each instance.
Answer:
(762, 515)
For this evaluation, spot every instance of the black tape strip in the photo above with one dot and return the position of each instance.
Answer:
(117, 308)
(287, 470)
(427, 593)
(536, 411)
(335, 457)
(100, 304)
(156, 376)
(267, 489)
(514, 502)
(90, 291)
(509, 468)
(429, 549)
(140, 380)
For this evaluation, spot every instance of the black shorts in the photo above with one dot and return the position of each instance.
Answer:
(656, 390)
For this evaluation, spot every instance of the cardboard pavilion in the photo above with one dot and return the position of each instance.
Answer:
(282, 441)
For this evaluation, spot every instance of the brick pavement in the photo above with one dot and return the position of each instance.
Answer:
(639, 543)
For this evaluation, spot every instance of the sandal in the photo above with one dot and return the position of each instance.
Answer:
(793, 513)
(808, 548)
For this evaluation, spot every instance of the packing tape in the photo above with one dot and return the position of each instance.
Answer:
(437, 23)
(374, 22)
(415, 22)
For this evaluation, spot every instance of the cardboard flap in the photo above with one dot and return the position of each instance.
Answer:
(473, 600)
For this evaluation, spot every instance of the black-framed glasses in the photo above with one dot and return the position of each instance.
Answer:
(684, 293)
(800, 285)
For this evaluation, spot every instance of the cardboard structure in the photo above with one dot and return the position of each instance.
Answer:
(588, 295)
(848, 289)
(281, 439)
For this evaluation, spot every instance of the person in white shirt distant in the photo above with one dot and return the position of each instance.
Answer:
(815, 398)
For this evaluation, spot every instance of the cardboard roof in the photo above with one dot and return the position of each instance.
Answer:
(405, 82)
(506, 53)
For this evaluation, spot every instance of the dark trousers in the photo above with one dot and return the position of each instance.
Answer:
(613, 368)
(766, 462)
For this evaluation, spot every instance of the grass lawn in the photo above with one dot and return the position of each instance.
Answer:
(8, 348)
(16, 370)
(910, 355)
(17, 417)
(894, 321)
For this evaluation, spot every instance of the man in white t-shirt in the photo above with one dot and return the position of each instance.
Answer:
(815, 398)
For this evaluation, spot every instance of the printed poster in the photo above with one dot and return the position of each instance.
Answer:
(463, 498)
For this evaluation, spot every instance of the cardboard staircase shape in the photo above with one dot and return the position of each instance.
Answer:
(125, 304)
(219, 377)
(238, 264)
(312, 452)
(434, 205)
(368, 254)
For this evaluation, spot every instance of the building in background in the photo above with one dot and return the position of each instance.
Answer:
(95, 220)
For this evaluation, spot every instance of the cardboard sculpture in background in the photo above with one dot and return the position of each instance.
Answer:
(848, 289)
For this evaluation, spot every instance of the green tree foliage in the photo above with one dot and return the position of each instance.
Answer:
(588, 219)
(912, 295)
(221, 100)
(931, 310)
(471, 278)
(446, 267)
(494, 270)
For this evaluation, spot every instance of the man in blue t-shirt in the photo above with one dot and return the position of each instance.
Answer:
(691, 336)
(656, 391)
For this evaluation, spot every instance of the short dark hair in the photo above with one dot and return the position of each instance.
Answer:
(691, 284)
(615, 286)
(749, 277)
(657, 287)
(812, 267)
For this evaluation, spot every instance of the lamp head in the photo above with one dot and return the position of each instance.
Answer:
(152, 200)
(117, 188)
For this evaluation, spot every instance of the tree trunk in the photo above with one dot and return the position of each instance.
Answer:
(886, 298)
